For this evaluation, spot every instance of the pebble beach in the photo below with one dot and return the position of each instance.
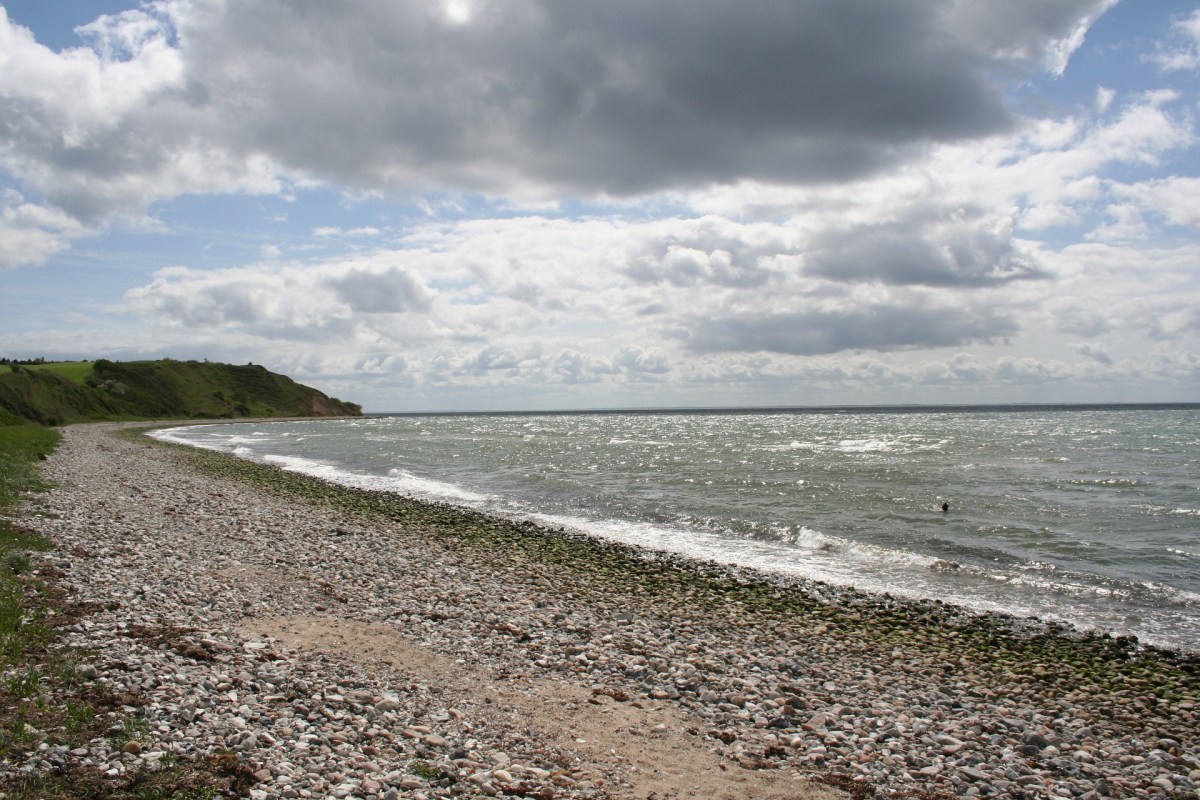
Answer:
(350, 644)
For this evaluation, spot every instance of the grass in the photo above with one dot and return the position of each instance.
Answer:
(44, 702)
(75, 371)
(21, 447)
(69, 392)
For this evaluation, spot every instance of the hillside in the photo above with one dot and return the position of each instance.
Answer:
(51, 395)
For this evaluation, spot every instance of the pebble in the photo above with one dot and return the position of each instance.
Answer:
(156, 546)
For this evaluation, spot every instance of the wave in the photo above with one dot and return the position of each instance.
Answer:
(1050, 579)
(792, 445)
(397, 480)
(180, 436)
(407, 483)
(244, 439)
(1121, 482)
(809, 539)
(646, 442)
(865, 445)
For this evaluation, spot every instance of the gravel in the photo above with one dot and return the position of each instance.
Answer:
(766, 676)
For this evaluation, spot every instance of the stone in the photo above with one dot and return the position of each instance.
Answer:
(917, 716)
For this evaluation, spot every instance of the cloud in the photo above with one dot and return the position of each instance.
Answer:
(627, 99)
(636, 360)
(493, 357)
(290, 302)
(327, 231)
(1029, 370)
(574, 367)
(487, 294)
(511, 98)
(1095, 352)
(1026, 30)
(825, 331)
(30, 233)
(576, 200)
(688, 266)
(1174, 198)
(927, 246)
(102, 132)
(1182, 54)
(392, 291)
(1125, 224)
(635, 97)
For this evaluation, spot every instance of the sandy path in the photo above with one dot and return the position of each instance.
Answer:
(659, 750)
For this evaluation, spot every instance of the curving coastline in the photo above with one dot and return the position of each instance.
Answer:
(352, 644)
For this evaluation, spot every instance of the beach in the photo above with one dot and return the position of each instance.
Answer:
(345, 643)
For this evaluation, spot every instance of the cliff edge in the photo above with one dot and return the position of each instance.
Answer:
(63, 393)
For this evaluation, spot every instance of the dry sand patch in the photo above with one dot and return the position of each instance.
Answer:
(657, 750)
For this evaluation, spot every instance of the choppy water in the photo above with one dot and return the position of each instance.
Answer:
(1086, 515)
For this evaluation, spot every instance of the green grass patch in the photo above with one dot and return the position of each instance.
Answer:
(76, 372)
(21, 447)
(215, 777)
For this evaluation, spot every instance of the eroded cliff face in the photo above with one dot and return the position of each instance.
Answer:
(323, 406)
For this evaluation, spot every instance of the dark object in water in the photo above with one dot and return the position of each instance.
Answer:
(945, 506)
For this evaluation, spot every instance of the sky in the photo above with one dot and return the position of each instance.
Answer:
(457, 205)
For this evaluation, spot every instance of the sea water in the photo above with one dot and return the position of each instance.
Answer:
(1089, 516)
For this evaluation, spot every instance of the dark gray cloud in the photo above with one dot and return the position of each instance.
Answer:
(1018, 29)
(545, 96)
(822, 332)
(624, 96)
(929, 247)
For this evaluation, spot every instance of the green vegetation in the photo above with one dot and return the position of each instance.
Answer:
(20, 449)
(75, 371)
(45, 701)
(81, 391)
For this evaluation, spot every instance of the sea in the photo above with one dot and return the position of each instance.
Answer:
(1085, 515)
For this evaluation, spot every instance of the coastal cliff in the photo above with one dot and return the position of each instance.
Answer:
(63, 393)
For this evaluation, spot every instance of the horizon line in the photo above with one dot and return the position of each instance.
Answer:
(824, 408)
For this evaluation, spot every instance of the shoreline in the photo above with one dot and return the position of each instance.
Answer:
(725, 674)
(508, 528)
(993, 556)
